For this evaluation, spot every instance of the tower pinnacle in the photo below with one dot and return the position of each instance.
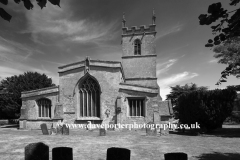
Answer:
(153, 17)
(123, 21)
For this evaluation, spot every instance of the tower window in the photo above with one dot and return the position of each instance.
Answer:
(44, 107)
(137, 47)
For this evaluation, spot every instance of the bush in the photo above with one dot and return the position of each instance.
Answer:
(208, 108)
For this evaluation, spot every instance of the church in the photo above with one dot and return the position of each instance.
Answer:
(102, 91)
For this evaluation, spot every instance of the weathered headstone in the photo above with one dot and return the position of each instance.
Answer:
(102, 132)
(62, 153)
(151, 129)
(59, 129)
(65, 130)
(111, 126)
(156, 117)
(164, 131)
(44, 129)
(24, 124)
(118, 154)
(175, 156)
(37, 151)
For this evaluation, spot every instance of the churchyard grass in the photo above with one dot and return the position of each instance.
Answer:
(88, 145)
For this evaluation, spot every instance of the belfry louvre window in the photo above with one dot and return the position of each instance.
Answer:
(137, 47)
(136, 107)
(44, 107)
(89, 92)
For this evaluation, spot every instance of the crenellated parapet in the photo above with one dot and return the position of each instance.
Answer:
(142, 30)
(151, 29)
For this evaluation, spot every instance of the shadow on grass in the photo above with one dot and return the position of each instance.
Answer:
(223, 132)
(219, 156)
(186, 132)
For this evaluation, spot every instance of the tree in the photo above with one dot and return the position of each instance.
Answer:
(10, 101)
(227, 32)
(208, 108)
(234, 87)
(228, 53)
(27, 4)
(179, 90)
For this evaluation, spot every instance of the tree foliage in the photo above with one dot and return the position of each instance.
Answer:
(178, 90)
(229, 54)
(227, 26)
(27, 4)
(208, 108)
(234, 87)
(226, 39)
(10, 101)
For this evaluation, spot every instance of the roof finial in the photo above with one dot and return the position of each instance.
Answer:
(123, 21)
(153, 17)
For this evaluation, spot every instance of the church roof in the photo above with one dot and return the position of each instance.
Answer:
(97, 63)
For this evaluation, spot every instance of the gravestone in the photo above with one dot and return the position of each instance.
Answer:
(175, 156)
(164, 131)
(24, 124)
(118, 154)
(102, 132)
(151, 129)
(53, 131)
(59, 129)
(156, 118)
(111, 126)
(44, 129)
(65, 130)
(37, 151)
(62, 153)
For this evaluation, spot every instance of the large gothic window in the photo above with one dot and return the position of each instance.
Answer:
(137, 47)
(44, 107)
(89, 91)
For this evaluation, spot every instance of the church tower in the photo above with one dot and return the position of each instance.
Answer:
(139, 54)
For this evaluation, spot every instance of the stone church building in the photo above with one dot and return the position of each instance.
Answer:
(103, 91)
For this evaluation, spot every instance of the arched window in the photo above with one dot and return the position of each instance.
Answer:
(44, 107)
(89, 91)
(137, 47)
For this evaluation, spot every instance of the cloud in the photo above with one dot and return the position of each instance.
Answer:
(59, 22)
(213, 61)
(8, 72)
(169, 31)
(164, 67)
(173, 79)
(176, 78)
(164, 91)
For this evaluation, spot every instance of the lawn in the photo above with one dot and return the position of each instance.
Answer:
(223, 144)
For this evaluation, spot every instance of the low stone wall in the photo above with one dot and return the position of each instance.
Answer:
(36, 124)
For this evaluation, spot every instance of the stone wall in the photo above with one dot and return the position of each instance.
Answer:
(30, 106)
(108, 79)
(151, 104)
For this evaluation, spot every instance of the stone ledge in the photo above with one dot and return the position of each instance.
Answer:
(40, 119)
(94, 63)
(135, 85)
(141, 78)
(139, 56)
(38, 92)
(138, 88)
(88, 118)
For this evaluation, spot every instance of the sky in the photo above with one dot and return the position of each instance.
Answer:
(42, 40)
